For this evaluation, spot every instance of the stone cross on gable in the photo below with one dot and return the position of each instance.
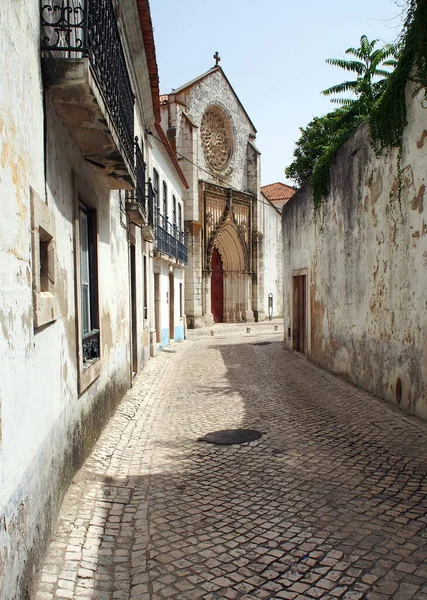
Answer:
(217, 58)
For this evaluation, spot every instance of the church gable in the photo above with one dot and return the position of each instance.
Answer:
(222, 129)
(217, 74)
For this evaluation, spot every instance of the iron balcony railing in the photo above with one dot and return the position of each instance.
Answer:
(88, 28)
(138, 195)
(169, 239)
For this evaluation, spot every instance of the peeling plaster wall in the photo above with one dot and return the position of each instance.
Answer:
(46, 427)
(366, 258)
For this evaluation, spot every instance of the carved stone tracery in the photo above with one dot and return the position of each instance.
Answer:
(227, 210)
(217, 141)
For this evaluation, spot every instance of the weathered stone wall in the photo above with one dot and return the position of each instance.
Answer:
(365, 252)
(214, 90)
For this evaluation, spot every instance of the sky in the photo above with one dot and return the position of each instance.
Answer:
(273, 53)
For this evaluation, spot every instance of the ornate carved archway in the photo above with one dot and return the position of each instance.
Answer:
(228, 228)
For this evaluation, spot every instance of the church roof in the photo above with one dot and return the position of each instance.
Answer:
(278, 193)
(190, 84)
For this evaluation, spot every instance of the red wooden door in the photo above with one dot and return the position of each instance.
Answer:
(217, 287)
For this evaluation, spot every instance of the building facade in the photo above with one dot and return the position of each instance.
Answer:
(214, 140)
(80, 246)
(170, 250)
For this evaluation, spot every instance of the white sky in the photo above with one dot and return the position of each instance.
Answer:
(273, 52)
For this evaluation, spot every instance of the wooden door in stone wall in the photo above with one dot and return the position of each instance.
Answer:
(299, 324)
(217, 287)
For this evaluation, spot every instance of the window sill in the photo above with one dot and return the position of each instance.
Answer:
(89, 373)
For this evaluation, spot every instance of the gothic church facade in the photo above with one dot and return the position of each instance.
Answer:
(214, 140)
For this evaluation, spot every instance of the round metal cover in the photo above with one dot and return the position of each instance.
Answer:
(231, 436)
(261, 343)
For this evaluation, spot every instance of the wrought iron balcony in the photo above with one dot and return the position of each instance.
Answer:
(85, 68)
(170, 240)
(136, 200)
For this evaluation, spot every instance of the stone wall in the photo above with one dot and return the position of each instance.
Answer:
(214, 90)
(365, 256)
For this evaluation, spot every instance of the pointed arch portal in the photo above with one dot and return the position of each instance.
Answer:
(227, 234)
(217, 287)
(230, 279)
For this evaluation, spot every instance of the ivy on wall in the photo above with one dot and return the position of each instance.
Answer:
(386, 115)
(388, 118)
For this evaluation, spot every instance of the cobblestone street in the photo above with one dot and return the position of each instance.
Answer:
(329, 503)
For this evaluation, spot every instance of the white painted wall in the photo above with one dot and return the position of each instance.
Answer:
(160, 161)
(272, 261)
(47, 427)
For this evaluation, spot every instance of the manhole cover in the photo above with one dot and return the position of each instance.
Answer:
(231, 436)
(261, 343)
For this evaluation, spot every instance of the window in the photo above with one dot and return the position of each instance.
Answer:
(46, 275)
(173, 210)
(89, 327)
(45, 304)
(165, 199)
(88, 335)
(180, 218)
(156, 183)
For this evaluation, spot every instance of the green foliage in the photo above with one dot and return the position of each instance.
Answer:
(314, 140)
(371, 77)
(318, 144)
(379, 99)
(387, 119)
(323, 136)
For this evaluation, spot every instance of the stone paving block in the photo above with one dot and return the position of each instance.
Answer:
(329, 503)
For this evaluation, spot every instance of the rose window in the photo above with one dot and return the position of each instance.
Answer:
(216, 139)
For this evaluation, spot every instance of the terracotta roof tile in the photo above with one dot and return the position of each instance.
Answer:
(278, 191)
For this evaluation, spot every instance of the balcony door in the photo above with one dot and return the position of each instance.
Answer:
(133, 307)
(171, 307)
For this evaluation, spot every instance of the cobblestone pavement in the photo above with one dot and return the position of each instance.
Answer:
(329, 503)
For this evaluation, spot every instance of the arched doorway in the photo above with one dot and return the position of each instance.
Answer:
(217, 287)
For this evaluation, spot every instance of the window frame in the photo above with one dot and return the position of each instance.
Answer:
(88, 369)
(180, 217)
(156, 191)
(165, 199)
(174, 222)
(46, 308)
